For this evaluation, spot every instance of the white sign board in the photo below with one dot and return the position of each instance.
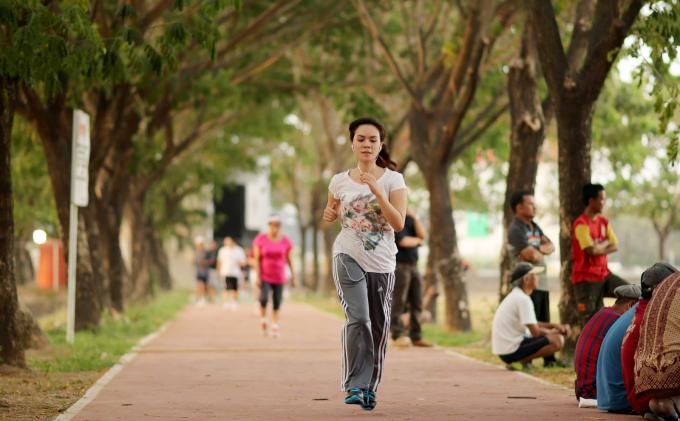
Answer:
(80, 158)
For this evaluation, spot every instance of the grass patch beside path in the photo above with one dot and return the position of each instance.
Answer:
(475, 344)
(329, 304)
(116, 336)
(60, 374)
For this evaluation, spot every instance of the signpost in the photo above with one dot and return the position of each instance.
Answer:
(80, 158)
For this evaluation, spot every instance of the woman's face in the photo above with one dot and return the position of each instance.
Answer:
(274, 228)
(366, 143)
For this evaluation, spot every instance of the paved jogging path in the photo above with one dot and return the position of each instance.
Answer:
(212, 363)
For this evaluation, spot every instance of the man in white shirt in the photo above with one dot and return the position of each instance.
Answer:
(516, 336)
(230, 262)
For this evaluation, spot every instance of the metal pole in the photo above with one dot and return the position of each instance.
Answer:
(55, 265)
(72, 251)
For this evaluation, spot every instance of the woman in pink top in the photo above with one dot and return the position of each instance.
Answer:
(272, 250)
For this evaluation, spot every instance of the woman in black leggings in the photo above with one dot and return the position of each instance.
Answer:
(272, 251)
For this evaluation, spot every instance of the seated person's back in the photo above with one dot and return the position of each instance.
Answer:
(611, 393)
(592, 335)
(650, 279)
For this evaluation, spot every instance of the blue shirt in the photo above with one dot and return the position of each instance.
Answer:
(611, 393)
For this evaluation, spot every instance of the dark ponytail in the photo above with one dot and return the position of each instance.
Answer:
(384, 159)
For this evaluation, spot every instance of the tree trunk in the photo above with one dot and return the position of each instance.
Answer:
(662, 233)
(574, 120)
(447, 264)
(110, 221)
(140, 267)
(302, 271)
(23, 266)
(11, 343)
(662, 246)
(53, 124)
(90, 293)
(526, 139)
(159, 259)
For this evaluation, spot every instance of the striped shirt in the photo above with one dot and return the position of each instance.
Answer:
(587, 350)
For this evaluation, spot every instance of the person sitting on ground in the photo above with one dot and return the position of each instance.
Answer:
(657, 359)
(611, 394)
(515, 333)
(650, 279)
(590, 340)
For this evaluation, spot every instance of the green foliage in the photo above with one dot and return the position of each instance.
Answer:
(658, 34)
(627, 137)
(102, 349)
(39, 43)
(33, 201)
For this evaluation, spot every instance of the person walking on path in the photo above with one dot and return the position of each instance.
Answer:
(202, 265)
(230, 263)
(370, 201)
(590, 341)
(272, 251)
(592, 239)
(528, 243)
(212, 284)
(516, 335)
(408, 283)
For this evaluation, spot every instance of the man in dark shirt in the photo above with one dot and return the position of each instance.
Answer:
(407, 287)
(528, 243)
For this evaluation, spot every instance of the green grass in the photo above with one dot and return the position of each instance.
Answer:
(442, 337)
(329, 304)
(116, 336)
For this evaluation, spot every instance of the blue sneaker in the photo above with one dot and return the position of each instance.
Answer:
(369, 401)
(354, 397)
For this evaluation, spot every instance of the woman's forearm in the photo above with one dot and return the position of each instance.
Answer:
(395, 218)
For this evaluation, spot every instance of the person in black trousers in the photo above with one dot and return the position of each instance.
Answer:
(408, 295)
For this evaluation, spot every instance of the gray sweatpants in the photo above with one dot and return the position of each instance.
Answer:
(366, 299)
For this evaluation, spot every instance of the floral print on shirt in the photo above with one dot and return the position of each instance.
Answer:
(364, 217)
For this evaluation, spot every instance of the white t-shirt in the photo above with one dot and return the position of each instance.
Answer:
(510, 322)
(230, 260)
(366, 236)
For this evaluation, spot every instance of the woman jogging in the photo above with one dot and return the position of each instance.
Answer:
(370, 201)
(271, 252)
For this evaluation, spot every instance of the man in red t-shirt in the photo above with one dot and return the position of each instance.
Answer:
(650, 279)
(592, 239)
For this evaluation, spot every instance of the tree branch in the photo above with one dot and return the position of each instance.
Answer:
(549, 45)
(609, 31)
(256, 24)
(464, 77)
(462, 145)
(152, 15)
(372, 28)
(579, 38)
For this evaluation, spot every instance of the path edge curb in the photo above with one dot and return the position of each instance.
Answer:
(92, 392)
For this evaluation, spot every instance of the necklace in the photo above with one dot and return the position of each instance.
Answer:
(364, 172)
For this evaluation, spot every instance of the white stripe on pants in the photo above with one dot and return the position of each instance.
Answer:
(366, 299)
